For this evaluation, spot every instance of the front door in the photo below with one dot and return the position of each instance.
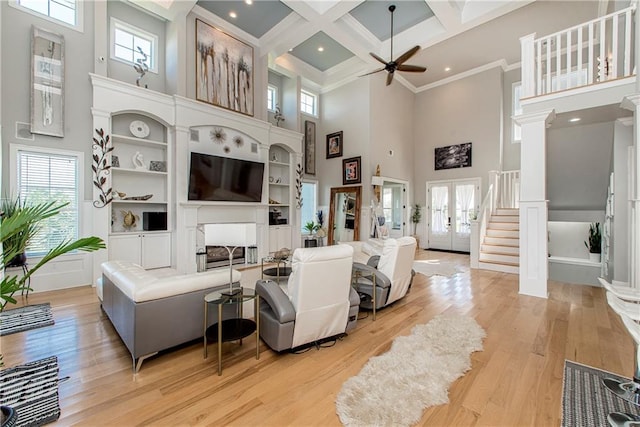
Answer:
(450, 203)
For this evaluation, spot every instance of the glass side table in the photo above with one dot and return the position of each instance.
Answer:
(280, 270)
(235, 328)
(356, 275)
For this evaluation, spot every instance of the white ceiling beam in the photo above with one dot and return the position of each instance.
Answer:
(448, 15)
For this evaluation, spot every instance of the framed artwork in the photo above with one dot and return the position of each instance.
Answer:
(47, 83)
(334, 145)
(309, 147)
(351, 173)
(224, 70)
(453, 156)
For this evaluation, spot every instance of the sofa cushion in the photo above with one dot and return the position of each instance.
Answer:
(141, 285)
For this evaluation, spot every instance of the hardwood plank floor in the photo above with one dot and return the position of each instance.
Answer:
(515, 381)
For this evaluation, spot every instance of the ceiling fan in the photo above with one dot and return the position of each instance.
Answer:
(398, 65)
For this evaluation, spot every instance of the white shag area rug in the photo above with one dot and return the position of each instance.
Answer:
(393, 389)
(435, 267)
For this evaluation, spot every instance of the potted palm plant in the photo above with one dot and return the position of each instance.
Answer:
(594, 244)
(17, 226)
(416, 216)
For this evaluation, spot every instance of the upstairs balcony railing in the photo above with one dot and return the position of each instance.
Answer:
(597, 51)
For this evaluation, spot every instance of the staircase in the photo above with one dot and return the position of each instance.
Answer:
(500, 249)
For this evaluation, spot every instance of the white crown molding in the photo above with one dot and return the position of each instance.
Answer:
(514, 66)
(500, 63)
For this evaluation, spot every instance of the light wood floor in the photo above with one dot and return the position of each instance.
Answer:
(515, 381)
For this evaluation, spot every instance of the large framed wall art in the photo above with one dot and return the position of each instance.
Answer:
(309, 147)
(453, 156)
(224, 70)
(47, 83)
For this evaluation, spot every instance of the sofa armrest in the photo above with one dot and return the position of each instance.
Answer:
(270, 292)
(382, 281)
(373, 261)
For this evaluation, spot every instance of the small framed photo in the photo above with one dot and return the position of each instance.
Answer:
(115, 161)
(334, 145)
(351, 173)
(157, 166)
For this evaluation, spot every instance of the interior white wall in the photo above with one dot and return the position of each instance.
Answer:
(466, 110)
(510, 151)
(578, 159)
(622, 140)
(345, 109)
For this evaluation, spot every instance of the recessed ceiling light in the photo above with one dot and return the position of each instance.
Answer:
(320, 49)
(291, 50)
(233, 14)
(249, 2)
(574, 119)
(448, 69)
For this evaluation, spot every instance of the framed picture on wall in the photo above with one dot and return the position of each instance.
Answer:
(334, 145)
(351, 173)
(224, 70)
(453, 156)
(47, 83)
(309, 147)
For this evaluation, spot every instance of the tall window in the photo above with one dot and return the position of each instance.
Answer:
(308, 103)
(272, 97)
(43, 177)
(127, 41)
(516, 130)
(309, 204)
(65, 12)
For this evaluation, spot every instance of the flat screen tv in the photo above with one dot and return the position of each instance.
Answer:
(223, 179)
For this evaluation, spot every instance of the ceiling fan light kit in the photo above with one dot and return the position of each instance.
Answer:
(398, 65)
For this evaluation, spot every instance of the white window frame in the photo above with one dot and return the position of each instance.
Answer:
(315, 210)
(274, 89)
(132, 29)
(516, 110)
(315, 102)
(79, 25)
(13, 179)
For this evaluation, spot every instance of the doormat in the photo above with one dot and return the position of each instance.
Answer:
(32, 391)
(585, 399)
(25, 318)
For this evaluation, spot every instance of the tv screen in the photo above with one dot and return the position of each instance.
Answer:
(215, 178)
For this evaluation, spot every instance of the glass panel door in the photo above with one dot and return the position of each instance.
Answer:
(451, 204)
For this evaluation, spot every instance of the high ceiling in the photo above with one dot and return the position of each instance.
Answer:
(458, 35)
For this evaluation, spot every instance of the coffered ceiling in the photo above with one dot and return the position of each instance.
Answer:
(328, 42)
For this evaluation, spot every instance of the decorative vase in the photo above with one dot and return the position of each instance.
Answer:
(594, 257)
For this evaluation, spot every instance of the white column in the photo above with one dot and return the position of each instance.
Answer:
(527, 67)
(533, 203)
(185, 232)
(632, 103)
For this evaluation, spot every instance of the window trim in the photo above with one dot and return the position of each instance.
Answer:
(13, 177)
(514, 114)
(79, 26)
(136, 31)
(315, 102)
(275, 97)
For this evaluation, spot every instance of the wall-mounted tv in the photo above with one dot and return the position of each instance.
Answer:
(223, 179)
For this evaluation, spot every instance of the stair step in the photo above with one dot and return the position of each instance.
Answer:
(504, 258)
(502, 267)
(504, 225)
(502, 241)
(508, 211)
(505, 218)
(492, 232)
(500, 249)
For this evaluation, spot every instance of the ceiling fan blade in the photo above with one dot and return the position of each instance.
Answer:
(408, 54)
(373, 72)
(378, 58)
(412, 68)
(389, 78)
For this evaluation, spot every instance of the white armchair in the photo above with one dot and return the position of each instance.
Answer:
(319, 302)
(392, 271)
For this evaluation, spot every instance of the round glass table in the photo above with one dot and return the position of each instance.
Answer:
(234, 328)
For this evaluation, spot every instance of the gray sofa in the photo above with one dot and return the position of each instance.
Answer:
(152, 312)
